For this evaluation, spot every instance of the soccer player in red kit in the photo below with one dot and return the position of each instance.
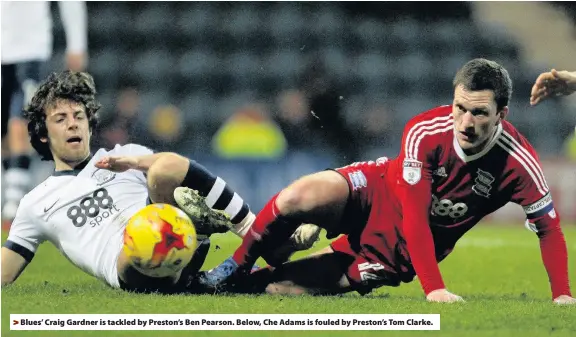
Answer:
(400, 217)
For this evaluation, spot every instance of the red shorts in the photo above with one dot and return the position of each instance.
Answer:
(372, 239)
(363, 275)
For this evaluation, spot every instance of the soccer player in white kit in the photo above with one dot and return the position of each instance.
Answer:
(83, 208)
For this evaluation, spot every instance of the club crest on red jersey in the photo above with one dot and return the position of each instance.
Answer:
(483, 184)
(412, 171)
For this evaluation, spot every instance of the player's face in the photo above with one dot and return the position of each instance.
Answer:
(68, 132)
(475, 118)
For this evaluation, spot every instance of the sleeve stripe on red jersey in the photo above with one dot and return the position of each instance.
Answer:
(514, 153)
(449, 127)
(425, 131)
(529, 156)
(425, 125)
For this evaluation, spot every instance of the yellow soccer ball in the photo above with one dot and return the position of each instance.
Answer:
(160, 240)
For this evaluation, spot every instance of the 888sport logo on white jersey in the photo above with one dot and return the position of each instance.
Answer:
(93, 209)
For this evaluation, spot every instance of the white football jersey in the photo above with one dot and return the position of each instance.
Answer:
(83, 213)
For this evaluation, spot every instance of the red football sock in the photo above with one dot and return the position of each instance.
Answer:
(269, 231)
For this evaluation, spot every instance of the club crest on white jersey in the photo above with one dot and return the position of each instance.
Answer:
(103, 176)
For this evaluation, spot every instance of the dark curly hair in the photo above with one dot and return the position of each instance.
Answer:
(482, 74)
(68, 85)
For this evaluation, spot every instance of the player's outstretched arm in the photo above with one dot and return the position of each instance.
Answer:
(141, 163)
(12, 265)
(553, 83)
(533, 194)
(165, 171)
(555, 257)
(414, 191)
(420, 242)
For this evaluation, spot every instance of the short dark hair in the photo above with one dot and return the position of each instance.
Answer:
(68, 85)
(483, 74)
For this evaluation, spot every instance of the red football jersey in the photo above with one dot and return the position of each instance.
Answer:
(462, 189)
(465, 188)
(433, 193)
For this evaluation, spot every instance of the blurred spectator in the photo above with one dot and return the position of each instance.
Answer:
(311, 117)
(26, 47)
(250, 134)
(325, 101)
(166, 124)
(293, 117)
(122, 126)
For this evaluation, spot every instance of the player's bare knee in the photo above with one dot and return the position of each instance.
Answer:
(300, 196)
(291, 200)
(165, 175)
(313, 192)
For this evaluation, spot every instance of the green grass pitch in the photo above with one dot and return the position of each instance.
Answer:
(497, 269)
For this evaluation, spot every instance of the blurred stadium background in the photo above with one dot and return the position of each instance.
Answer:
(262, 93)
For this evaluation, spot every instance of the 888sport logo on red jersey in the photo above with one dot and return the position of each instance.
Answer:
(445, 207)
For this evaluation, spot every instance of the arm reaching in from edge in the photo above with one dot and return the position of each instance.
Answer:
(553, 83)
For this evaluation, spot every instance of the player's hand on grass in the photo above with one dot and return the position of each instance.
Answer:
(553, 83)
(443, 296)
(117, 163)
(565, 299)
